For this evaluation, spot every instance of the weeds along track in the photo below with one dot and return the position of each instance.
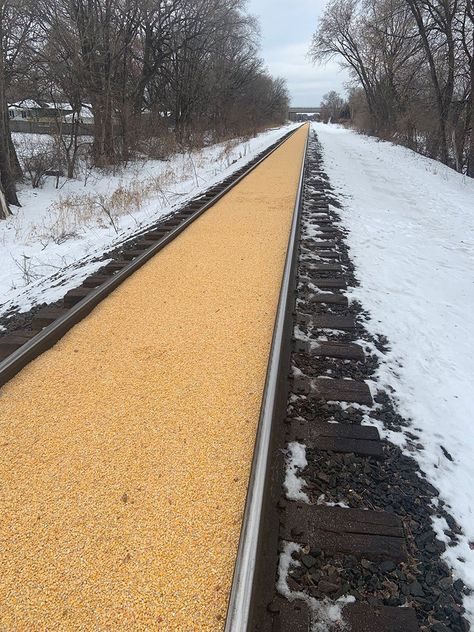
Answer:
(127, 443)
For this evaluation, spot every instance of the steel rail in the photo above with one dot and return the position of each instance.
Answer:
(242, 591)
(48, 336)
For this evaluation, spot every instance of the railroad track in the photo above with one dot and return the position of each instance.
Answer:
(289, 539)
(294, 547)
(20, 347)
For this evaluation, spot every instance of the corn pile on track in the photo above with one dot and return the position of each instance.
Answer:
(126, 448)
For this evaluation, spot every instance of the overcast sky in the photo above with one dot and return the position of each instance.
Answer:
(287, 27)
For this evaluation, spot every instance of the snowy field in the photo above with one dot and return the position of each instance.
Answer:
(411, 223)
(52, 243)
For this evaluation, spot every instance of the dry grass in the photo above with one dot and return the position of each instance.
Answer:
(71, 214)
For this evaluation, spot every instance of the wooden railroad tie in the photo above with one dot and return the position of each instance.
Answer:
(360, 617)
(324, 228)
(156, 234)
(322, 244)
(333, 321)
(329, 298)
(373, 535)
(340, 350)
(325, 222)
(11, 342)
(321, 267)
(330, 283)
(328, 254)
(46, 316)
(74, 296)
(322, 235)
(334, 390)
(95, 280)
(115, 266)
(345, 438)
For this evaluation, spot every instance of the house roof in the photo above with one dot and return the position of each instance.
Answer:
(85, 113)
(25, 104)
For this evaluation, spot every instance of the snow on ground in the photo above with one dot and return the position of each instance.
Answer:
(52, 243)
(411, 223)
(295, 463)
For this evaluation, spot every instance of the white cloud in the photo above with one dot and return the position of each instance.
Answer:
(307, 83)
(287, 27)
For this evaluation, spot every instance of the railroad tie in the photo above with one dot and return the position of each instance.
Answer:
(372, 535)
(342, 438)
(131, 254)
(46, 316)
(329, 298)
(334, 390)
(144, 244)
(322, 220)
(323, 244)
(12, 342)
(156, 234)
(339, 350)
(115, 266)
(326, 232)
(329, 234)
(330, 283)
(95, 280)
(292, 616)
(74, 296)
(322, 267)
(328, 254)
(333, 321)
(360, 617)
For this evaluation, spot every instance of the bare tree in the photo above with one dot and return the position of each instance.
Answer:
(331, 106)
(185, 67)
(413, 59)
(10, 169)
(467, 37)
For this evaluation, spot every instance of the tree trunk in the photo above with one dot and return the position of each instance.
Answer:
(15, 163)
(7, 175)
(443, 97)
(103, 148)
(470, 157)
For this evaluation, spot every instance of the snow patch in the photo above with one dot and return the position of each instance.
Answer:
(295, 462)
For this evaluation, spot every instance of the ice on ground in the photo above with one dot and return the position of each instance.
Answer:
(411, 234)
(295, 462)
(46, 243)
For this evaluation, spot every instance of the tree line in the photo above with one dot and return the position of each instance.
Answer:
(145, 67)
(412, 65)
